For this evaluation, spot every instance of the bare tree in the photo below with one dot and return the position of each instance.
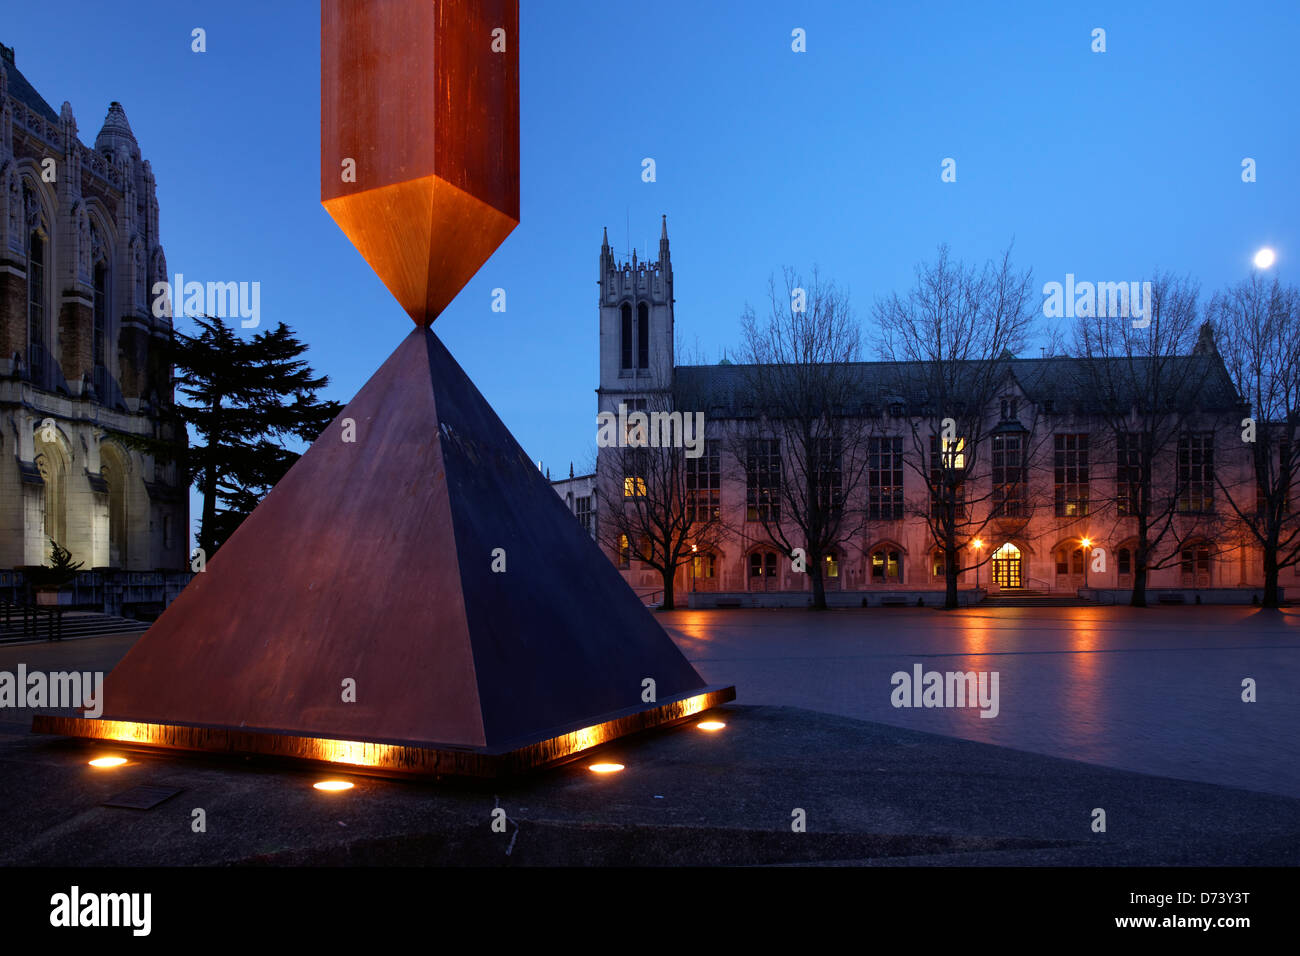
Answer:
(801, 446)
(657, 511)
(1259, 331)
(1143, 381)
(951, 342)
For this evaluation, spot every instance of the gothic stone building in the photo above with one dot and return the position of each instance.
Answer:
(84, 373)
(893, 558)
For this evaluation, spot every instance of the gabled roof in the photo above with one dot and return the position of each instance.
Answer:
(23, 91)
(1064, 381)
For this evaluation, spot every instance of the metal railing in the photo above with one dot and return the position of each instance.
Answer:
(28, 619)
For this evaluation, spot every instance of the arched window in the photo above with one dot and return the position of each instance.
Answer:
(101, 320)
(624, 551)
(642, 336)
(625, 337)
(113, 469)
(1069, 561)
(762, 570)
(36, 306)
(886, 565)
(939, 563)
(52, 464)
(1195, 561)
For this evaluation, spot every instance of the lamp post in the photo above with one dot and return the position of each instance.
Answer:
(977, 544)
(1087, 543)
(693, 560)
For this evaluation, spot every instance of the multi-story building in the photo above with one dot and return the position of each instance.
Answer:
(85, 381)
(1052, 504)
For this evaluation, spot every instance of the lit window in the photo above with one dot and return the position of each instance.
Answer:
(886, 565)
(954, 453)
(706, 566)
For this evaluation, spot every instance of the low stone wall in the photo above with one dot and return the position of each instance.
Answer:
(877, 598)
(1174, 596)
(142, 594)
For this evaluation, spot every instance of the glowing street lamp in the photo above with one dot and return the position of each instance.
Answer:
(1087, 543)
(977, 544)
(1265, 258)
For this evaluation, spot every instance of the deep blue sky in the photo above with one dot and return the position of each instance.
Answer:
(1104, 165)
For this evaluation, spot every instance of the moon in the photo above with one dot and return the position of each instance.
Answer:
(1264, 258)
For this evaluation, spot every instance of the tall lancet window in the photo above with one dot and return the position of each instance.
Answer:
(642, 336)
(36, 291)
(101, 314)
(625, 340)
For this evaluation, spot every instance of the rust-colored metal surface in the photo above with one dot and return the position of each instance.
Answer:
(412, 597)
(362, 600)
(420, 138)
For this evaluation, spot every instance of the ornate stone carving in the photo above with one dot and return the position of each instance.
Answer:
(83, 242)
(33, 214)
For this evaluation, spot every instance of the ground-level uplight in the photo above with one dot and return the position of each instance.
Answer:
(710, 725)
(605, 767)
(333, 785)
(108, 761)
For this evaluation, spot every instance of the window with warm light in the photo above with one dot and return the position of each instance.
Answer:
(954, 453)
(947, 471)
(705, 566)
(762, 564)
(886, 565)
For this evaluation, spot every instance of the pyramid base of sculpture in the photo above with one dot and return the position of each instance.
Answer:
(412, 597)
(378, 757)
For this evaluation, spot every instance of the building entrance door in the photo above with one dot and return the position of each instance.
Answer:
(1006, 567)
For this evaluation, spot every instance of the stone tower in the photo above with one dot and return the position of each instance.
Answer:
(636, 326)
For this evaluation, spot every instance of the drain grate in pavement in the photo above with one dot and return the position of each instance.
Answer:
(141, 798)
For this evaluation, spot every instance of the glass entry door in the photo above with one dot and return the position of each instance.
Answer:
(1006, 566)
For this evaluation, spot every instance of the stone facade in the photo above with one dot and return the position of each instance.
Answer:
(893, 558)
(86, 401)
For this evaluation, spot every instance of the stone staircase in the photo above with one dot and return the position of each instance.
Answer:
(76, 624)
(1033, 597)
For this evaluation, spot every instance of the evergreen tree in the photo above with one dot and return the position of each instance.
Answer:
(246, 398)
